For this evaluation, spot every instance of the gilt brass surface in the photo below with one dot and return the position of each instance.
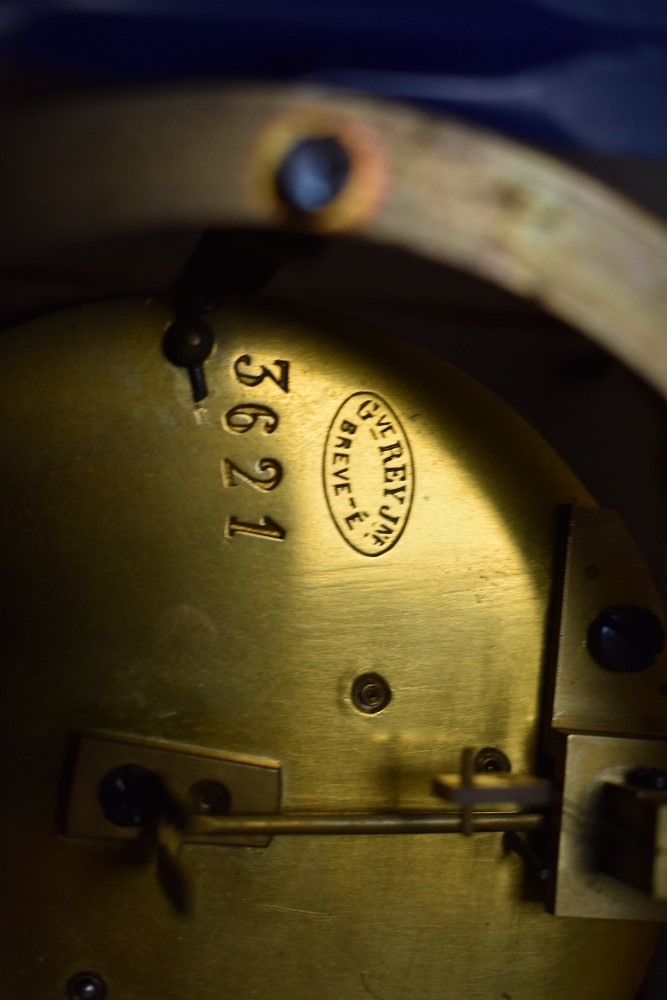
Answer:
(581, 888)
(176, 573)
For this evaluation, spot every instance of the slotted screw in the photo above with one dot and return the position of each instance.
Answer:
(371, 693)
(626, 638)
(131, 796)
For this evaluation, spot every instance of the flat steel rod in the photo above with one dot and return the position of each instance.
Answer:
(305, 824)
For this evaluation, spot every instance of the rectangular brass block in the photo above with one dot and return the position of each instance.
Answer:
(581, 888)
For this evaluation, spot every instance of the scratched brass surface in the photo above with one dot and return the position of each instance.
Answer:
(131, 163)
(136, 601)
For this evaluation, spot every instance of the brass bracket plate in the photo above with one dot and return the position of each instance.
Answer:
(633, 836)
(253, 784)
(602, 569)
(581, 890)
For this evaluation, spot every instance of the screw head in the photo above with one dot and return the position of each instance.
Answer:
(371, 693)
(131, 796)
(626, 638)
(490, 760)
(86, 986)
(188, 342)
(210, 798)
(313, 173)
(652, 778)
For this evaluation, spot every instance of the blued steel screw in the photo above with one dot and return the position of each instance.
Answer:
(312, 173)
(651, 778)
(371, 693)
(86, 986)
(131, 796)
(187, 343)
(626, 638)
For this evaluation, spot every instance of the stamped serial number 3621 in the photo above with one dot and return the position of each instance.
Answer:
(241, 419)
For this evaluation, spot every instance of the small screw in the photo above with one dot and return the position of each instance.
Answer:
(187, 343)
(652, 778)
(492, 760)
(371, 693)
(131, 795)
(626, 639)
(312, 174)
(209, 798)
(86, 986)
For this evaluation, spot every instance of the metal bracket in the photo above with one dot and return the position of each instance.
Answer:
(469, 789)
(249, 785)
(602, 570)
(581, 888)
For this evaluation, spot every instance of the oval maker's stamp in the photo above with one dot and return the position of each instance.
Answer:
(368, 474)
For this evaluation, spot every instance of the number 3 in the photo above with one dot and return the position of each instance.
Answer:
(247, 377)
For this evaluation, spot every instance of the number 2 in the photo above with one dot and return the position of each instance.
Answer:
(231, 474)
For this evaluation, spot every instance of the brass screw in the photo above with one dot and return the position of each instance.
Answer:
(371, 693)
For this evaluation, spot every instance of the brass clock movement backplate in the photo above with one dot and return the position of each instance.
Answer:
(217, 577)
